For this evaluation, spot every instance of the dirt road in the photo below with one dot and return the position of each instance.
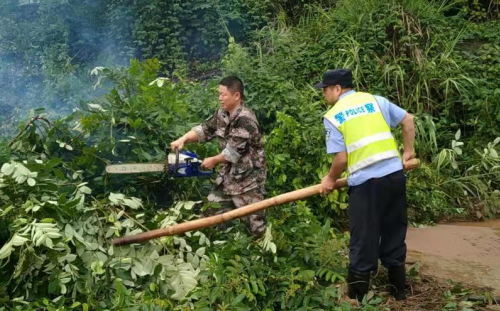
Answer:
(464, 252)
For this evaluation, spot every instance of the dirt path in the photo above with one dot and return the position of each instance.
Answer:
(465, 252)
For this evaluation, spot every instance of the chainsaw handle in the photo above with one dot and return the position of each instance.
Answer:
(176, 164)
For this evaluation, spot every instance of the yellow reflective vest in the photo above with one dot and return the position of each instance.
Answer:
(367, 135)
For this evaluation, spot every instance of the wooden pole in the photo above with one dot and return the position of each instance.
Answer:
(236, 213)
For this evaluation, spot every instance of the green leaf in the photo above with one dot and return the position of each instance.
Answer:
(101, 256)
(255, 288)
(6, 250)
(53, 162)
(195, 261)
(152, 287)
(31, 182)
(238, 299)
(85, 190)
(133, 203)
(138, 269)
(7, 169)
(48, 242)
(116, 197)
(183, 281)
(59, 174)
(75, 304)
(306, 275)
(18, 240)
(70, 257)
(200, 251)
(189, 205)
(68, 231)
(272, 247)
(202, 239)
(96, 107)
(65, 280)
(242, 307)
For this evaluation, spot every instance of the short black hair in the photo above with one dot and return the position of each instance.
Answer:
(233, 84)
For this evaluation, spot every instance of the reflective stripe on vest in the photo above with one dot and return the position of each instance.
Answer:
(368, 140)
(366, 134)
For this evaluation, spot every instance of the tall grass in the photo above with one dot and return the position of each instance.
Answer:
(407, 51)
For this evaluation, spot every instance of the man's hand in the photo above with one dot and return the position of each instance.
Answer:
(408, 155)
(338, 166)
(327, 184)
(179, 144)
(209, 163)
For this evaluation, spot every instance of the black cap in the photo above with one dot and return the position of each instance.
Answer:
(342, 77)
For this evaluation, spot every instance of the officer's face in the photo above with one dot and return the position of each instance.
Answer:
(332, 94)
(228, 100)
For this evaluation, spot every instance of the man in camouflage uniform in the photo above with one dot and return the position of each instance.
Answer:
(242, 166)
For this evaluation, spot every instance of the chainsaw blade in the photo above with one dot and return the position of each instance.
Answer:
(132, 168)
(188, 166)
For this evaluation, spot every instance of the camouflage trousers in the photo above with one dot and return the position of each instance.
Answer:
(256, 222)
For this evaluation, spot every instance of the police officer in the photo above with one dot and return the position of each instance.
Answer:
(358, 128)
(242, 163)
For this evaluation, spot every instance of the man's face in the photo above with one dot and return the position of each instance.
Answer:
(228, 100)
(332, 94)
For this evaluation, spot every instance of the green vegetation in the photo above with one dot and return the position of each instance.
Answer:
(438, 60)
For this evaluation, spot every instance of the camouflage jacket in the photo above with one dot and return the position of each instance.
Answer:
(241, 144)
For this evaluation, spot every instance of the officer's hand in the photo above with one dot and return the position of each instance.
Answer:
(179, 144)
(327, 185)
(408, 155)
(208, 163)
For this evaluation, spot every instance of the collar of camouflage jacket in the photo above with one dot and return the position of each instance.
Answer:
(236, 113)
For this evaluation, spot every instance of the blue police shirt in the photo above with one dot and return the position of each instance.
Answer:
(393, 115)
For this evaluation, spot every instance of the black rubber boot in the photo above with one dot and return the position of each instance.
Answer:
(397, 279)
(358, 284)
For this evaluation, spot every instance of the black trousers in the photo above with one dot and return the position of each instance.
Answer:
(378, 222)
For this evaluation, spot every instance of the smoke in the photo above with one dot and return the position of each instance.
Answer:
(47, 50)
(48, 47)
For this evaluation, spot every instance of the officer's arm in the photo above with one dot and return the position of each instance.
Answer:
(408, 127)
(338, 166)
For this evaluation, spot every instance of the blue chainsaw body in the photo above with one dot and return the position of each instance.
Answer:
(186, 164)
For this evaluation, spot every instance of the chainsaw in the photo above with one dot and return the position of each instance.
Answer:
(178, 164)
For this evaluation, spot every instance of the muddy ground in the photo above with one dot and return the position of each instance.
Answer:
(464, 252)
(449, 263)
